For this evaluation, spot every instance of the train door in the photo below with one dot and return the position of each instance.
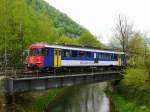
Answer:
(95, 58)
(57, 57)
(119, 60)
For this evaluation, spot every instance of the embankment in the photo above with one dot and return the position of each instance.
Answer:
(37, 101)
(132, 94)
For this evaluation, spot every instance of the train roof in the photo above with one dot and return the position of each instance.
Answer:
(74, 48)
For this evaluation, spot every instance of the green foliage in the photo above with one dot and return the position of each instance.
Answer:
(60, 20)
(140, 51)
(132, 93)
(23, 22)
(42, 102)
(123, 105)
(136, 77)
(137, 43)
(147, 63)
(89, 40)
(20, 26)
(64, 39)
(36, 101)
(86, 39)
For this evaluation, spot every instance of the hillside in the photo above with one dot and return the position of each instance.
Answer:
(23, 22)
(61, 21)
(35, 19)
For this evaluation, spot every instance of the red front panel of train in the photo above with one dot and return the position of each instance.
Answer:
(36, 58)
(37, 61)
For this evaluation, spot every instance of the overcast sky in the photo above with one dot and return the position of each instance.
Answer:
(99, 16)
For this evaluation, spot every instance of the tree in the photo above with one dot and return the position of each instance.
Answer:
(64, 39)
(136, 44)
(123, 32)
(137, 49)
(89, 40)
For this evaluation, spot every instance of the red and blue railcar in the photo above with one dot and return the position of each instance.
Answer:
(45, 56)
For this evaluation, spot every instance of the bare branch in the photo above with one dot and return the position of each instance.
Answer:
(123, 32)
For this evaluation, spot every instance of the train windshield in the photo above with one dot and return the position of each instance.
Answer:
(38, 52)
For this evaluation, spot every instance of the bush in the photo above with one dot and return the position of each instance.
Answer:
(136, 77)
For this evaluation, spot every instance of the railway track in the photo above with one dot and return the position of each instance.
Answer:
(21, 72)
(27, 75)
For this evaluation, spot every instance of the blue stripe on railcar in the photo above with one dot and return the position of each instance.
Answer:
(114, 57)
(78, 57)
(49, 59)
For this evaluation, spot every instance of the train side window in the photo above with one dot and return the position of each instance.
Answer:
(59, 52)
(81, 54)
(115, 56)
(55, 52)
(100, 56)
(88, 54)
(107, 56)
(45, 51)
(104, 56)
(110, 56)
(66, 53)
(74, 53)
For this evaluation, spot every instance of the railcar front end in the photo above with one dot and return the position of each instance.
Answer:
(36, 56)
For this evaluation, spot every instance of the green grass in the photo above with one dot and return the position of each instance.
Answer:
(137, 77)
(38, 101)
(123, 105)
(133, 93)
(43, 101)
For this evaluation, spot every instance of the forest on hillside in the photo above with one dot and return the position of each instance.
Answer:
(24, 22)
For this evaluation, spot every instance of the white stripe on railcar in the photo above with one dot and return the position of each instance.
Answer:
(83, 49)
(87, 63)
